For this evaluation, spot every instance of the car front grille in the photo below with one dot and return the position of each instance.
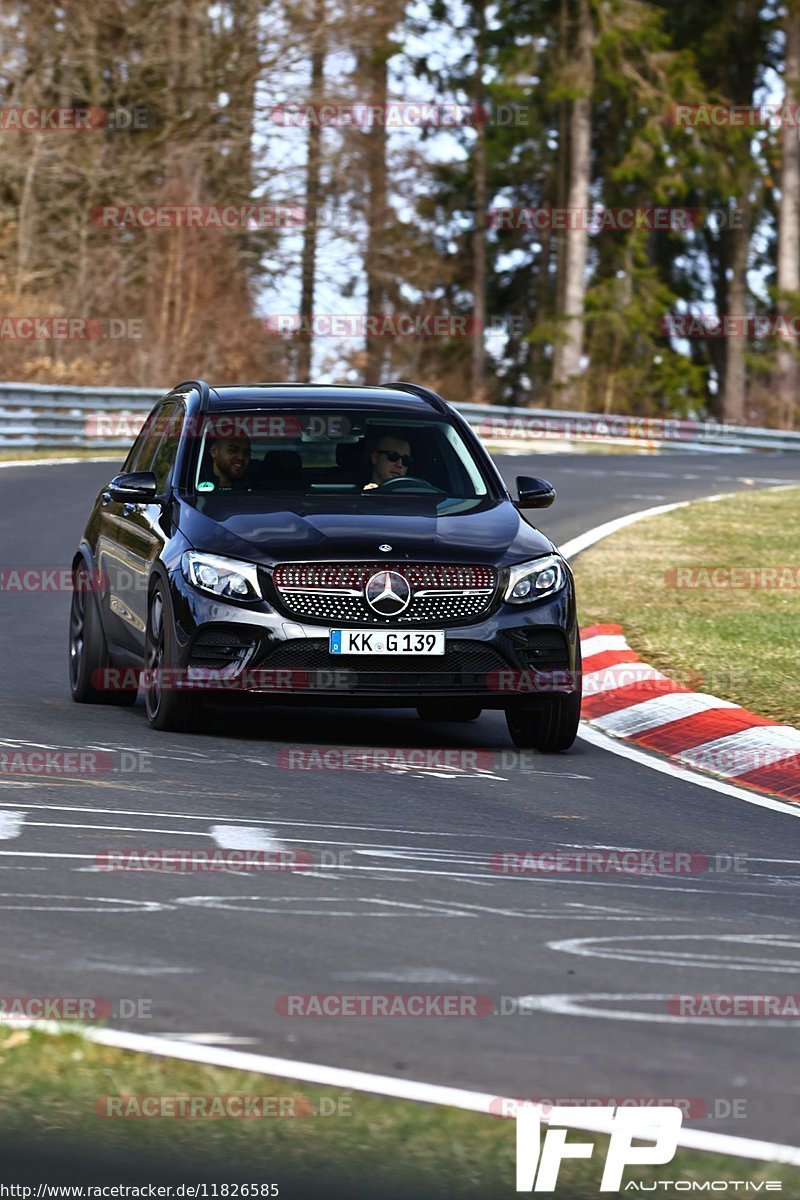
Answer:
(464, 666)
(336, 593)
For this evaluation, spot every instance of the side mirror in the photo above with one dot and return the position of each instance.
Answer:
(534, 493)
(134, 487)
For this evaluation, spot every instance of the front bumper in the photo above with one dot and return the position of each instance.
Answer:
(515, 655)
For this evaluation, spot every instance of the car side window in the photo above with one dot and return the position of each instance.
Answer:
(165, 450)
(143, 448)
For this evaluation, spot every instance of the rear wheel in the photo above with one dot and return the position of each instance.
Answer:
(167, 707)
(89, 661)
(448, 712)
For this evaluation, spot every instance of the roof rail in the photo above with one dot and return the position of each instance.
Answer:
(433, 398)
(202, 387)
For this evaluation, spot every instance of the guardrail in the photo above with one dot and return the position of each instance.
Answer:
(36, 416)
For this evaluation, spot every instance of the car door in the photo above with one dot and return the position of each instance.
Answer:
(143, 529)
(111, 558)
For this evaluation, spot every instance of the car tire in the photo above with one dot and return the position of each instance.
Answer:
(167, 709)
(550, 728)
(88, 652)
(552, 725)
(451, 712)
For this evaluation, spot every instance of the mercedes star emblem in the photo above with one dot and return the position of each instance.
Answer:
(387, 593)
(385, 547)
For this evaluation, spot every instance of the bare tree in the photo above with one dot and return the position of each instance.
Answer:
(788, 251)
(481, 201)
(313, 192)
(569, 348)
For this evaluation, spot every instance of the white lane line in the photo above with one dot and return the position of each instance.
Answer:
(620, 949)
(11, 824)
(399, 1089)
(659, 710)
(668, 767)
(137, 812)
(246, 837)
(210, 1039)
(577, 1004)
(74, 903)
(400, 872)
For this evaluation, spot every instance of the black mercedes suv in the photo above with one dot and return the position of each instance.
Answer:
(324, 545)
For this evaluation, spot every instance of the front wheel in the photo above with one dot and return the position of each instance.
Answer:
(168, 708)
(552, 725)
(550, 728)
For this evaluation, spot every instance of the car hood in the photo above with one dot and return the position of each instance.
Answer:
(494, 533)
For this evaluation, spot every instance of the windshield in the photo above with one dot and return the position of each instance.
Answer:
(360, 456)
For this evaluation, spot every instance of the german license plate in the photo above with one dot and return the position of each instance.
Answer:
(386, 641)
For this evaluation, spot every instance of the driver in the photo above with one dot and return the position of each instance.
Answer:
(230, 458)
(391, 459)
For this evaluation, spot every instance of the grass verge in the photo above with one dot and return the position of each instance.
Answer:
(657, 579)
(51, 1088)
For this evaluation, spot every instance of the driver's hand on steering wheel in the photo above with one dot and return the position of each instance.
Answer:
(367, 486)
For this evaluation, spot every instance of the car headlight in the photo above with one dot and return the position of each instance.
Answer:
(226, 577)
(532, 580)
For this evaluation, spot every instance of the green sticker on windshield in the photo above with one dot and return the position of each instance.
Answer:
(205, 487)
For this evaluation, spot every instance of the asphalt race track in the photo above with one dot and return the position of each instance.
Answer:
(413, 905)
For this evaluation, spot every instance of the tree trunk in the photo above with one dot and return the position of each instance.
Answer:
(479, 235)
(377, 72)
(313, 165)
(568, 351)
(788, 264)
(732, 400)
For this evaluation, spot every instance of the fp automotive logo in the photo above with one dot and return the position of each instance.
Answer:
(388, 593)
(661, 1125)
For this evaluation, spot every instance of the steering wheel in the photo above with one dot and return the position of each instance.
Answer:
(400, 484)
